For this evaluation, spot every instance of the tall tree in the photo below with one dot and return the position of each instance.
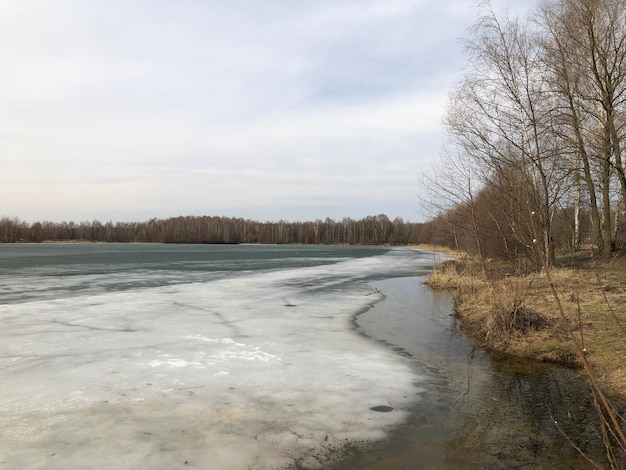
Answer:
(585, 50)
(501, 115)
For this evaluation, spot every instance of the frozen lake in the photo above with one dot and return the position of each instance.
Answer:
(163, 356)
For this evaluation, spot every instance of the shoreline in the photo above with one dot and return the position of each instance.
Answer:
(398, 449)
(418, 324)
(516, 315)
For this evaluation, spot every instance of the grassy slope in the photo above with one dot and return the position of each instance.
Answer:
(519, 315)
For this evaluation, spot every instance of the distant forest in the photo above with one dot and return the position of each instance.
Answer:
(371, 230)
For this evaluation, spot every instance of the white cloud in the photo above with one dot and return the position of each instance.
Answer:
(160, 108)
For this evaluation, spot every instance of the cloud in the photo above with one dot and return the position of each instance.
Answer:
(159, 108)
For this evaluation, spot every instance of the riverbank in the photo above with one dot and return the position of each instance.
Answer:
(519, 315)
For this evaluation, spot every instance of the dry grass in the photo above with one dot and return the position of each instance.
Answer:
(518, 315)
(442, 249)
(451, 275)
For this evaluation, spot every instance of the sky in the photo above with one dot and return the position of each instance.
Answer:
(293, 110)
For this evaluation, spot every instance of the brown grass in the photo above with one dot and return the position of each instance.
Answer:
(518, 315)
(441, 249)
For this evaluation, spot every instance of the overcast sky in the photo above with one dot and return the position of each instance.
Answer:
(264, 109)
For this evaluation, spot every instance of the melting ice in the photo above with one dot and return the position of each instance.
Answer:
(259, 369)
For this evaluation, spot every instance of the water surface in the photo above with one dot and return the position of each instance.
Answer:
(476, 411)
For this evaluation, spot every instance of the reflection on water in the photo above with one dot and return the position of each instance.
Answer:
(475, 410)
(510, 420)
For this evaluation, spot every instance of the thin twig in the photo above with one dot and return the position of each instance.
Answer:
(606, 428)
(580, 324)
(578, 449)
(587, 366)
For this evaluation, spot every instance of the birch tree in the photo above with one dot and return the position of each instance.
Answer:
(585, 52)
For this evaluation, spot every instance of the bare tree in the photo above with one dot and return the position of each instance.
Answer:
(449, 187)
(585, 52)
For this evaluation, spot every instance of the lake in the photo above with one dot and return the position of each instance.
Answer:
(257, 356)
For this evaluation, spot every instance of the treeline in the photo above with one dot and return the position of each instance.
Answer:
(367, 231)
(536, 134)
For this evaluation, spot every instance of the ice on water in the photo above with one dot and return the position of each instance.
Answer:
(251, 370)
